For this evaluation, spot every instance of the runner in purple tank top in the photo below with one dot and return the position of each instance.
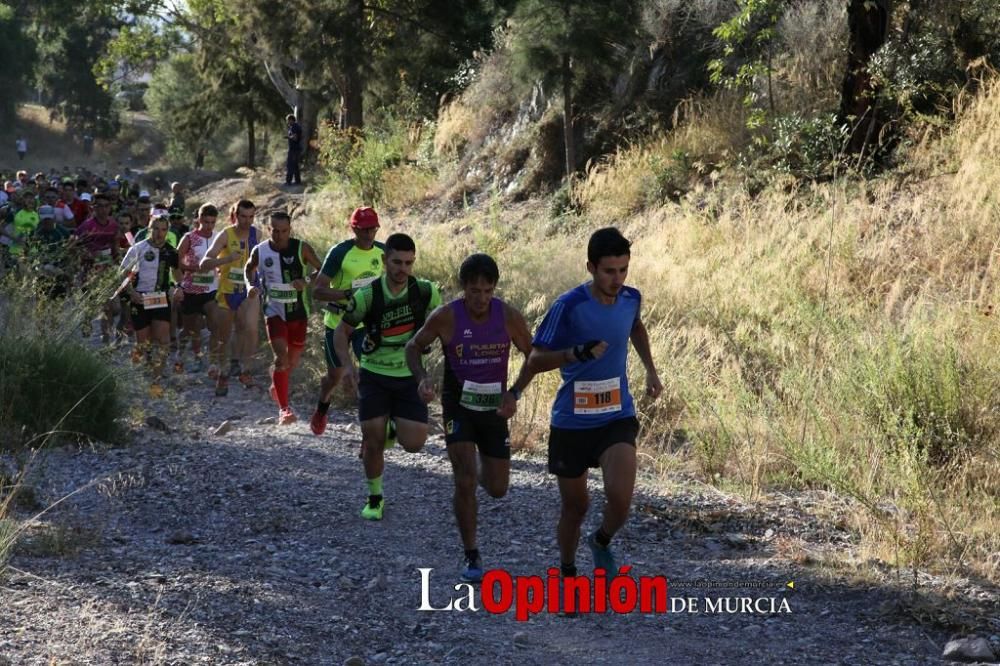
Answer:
(476, 331)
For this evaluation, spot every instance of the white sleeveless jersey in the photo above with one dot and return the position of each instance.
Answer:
(200, 282)
(151, 265)
(277, 271)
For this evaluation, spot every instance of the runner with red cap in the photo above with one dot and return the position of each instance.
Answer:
(350, 265)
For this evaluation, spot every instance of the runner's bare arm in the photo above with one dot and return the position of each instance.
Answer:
(435, 327)
(182, 253)
(342, 347)
(250, 271)
(212, 258)
(517, 329)
(640, 340)
(310, 256)
(323, 292)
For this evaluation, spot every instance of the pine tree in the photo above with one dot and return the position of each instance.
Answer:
(565, 43)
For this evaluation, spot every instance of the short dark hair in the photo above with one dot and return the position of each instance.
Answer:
(208, 210)
(102, 196)
(607, 242)
(478, 265)
(399, 243)
(245, 203)
(281, 215)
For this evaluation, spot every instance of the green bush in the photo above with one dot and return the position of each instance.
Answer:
(49, 381)
(53, 385)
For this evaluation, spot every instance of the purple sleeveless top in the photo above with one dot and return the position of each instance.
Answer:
(478, 351)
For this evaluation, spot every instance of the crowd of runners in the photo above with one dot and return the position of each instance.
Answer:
(171, 286)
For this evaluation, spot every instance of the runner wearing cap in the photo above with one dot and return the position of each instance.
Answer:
(228, 255)
(476, 332)
(152, 263)
(586, 334)
(281, 265)
(198, 288)
(348, 266)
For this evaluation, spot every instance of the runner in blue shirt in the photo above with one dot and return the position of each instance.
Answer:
(586, 334)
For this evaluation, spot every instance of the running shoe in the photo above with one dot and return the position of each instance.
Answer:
(247, 380)
(222, 385)
(318, 423)
(472, 572)
(603, 557)
(373, 512)
(286, 417)
(390, 434)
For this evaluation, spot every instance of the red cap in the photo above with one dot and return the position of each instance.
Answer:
(364, 218)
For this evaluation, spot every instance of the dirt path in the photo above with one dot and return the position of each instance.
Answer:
(247, 548)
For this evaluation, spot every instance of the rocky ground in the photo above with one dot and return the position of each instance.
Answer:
(246, 547)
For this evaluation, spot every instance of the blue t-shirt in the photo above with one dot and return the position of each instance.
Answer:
(593, 393)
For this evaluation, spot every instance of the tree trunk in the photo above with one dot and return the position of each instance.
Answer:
(251, 143)
(568, 137)
(868, 25)
(307, 113)
(353, 87)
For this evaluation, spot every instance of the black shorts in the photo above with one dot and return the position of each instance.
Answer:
(194, 304)
(395, 397)
(571, 451)
(487, 429)
(141, 317)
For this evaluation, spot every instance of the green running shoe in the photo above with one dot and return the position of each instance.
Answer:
(373, 512)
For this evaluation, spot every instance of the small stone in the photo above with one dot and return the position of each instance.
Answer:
(970, 649)
(379, 657)
(354, 661)
(735, 541)
(223, 429)
(156, 423)
(521, 639)
(376, 583)
(267, 420)
(181, 537)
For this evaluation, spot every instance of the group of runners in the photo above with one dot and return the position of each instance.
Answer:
(389, 320)
(379, 322)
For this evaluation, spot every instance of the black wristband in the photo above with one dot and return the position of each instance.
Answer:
(585, 352)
